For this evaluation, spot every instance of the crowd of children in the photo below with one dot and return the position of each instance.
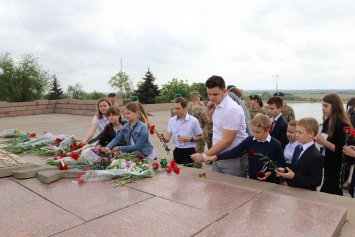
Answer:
(278, 150)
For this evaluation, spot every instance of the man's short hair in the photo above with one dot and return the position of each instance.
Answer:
(181, 100)
(260, 120)
(277, 101)
(310, 124)
(215, 81)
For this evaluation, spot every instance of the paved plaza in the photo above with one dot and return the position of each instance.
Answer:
(166, 205)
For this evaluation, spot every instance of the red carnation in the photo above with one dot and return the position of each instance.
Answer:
(155, 166)
(58, 140)
(62, 165)
(74, 155)
(72, 147)
(260, 174)
(79, 145)
(55, 158)
(176, 169)
(152, 129)
(86, 169)
(168, 168)
(80, 178)
(347, 129)
(33, 135)
(172, 163)
(250, 153)
(63, 155)
(285, 111)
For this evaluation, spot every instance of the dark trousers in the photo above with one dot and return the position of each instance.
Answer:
(331, 184)
(352, 185)
(182, 155)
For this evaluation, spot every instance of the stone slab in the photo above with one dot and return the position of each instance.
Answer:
(88, 200)
(152, 217)
(272, 214)
(54, 174)
(24, 213)
(32, 172)
(214, 197)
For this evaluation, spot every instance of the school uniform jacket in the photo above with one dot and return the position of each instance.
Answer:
(308, 170)
(279, 131)
(107, 135)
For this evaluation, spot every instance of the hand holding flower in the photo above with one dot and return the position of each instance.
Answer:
(196, 156)
(160, 135)
(349, 151)
(209, 159)
(267, 174)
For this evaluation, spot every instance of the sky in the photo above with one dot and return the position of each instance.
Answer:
(257, 44)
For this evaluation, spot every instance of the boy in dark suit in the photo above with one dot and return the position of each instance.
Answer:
(278, 128)
(307, 163)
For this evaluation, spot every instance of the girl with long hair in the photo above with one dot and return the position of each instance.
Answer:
(135, 133)
(333, 139)
(100, 119)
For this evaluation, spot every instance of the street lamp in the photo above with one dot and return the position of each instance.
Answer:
(277, 85)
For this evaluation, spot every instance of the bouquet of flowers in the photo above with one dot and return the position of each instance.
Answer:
(18, 134)
(32, 144)
(126, 168)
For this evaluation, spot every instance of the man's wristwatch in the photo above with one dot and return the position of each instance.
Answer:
(192, 139)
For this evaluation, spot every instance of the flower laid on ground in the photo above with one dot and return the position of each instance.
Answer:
(18, 134)
(126, 168)
(33, 145)
(62, 165)
(349, 132)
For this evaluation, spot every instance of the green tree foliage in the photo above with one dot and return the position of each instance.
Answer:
(23, 79)
(147, 90)
(56, 91)
(123, 84)
(175, 86)
(200, 87)
(94, 95)
(76, 92)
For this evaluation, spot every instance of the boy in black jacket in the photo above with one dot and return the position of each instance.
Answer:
(306, 168)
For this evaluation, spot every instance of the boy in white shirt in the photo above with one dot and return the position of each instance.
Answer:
(290, 147)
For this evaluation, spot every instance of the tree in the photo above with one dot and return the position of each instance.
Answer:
(170, 89)
(23, 79)
(200, 87)
(123, 84)
(55, 92)
(76, 91)
(147, 90)
(94, 95)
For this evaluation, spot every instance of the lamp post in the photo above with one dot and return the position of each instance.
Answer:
(277, 85)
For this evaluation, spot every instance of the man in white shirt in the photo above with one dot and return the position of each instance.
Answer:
(229, 127)
(185, 131)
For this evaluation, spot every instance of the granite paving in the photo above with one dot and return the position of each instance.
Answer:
(165, 205)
